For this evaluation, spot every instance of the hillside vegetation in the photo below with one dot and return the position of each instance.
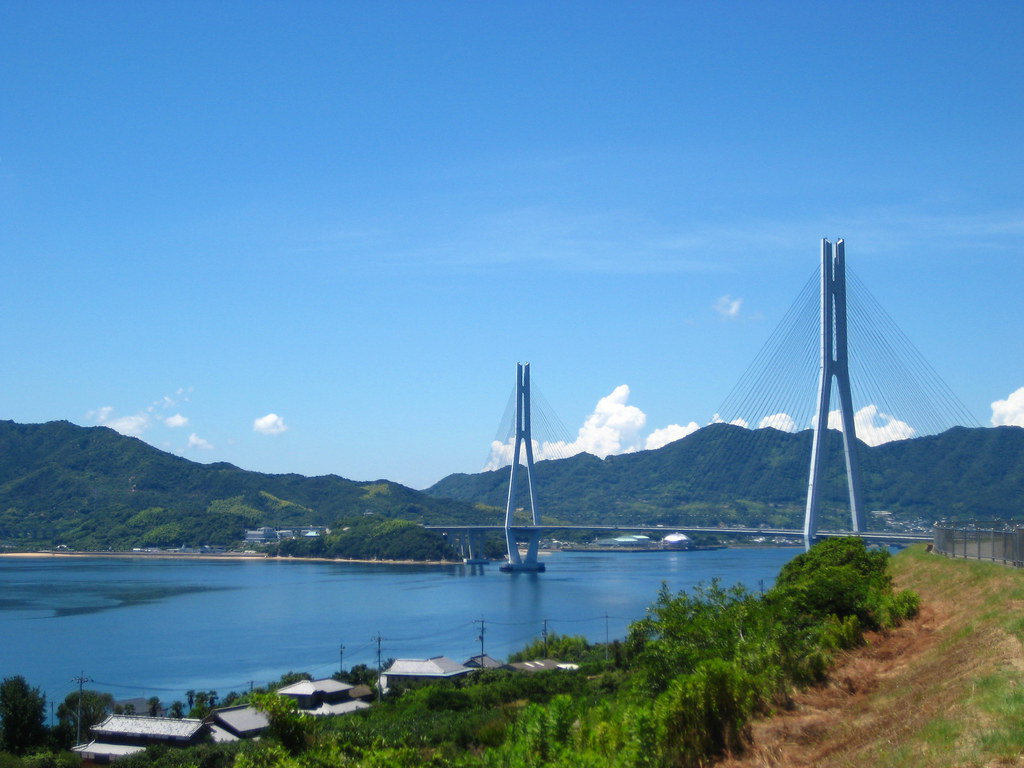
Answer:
(92, 488)
(818, 671)
(943, 691)
(680, 691)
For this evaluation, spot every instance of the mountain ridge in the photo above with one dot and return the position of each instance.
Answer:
(722, 472)
(93, 488)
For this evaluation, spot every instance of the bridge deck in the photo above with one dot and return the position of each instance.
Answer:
(871, 536)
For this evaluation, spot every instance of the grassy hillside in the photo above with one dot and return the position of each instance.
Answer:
(944, 690)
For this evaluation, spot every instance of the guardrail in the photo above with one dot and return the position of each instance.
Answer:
(999, 543)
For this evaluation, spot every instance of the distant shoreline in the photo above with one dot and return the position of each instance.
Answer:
(170, 555)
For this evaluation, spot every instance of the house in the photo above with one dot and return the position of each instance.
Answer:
(422, 671)
(482, 661)
(324, 697)
(234, 723)
(121, 735)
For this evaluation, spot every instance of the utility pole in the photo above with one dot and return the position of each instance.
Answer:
(341, 659)
(606, 637)
(480, 637)
(81, 680)
(544, 634)
(379, 669)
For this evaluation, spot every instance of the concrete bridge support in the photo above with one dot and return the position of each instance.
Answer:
(523, 442)
(834, 364)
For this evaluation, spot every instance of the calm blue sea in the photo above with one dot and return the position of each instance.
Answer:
(158, 627)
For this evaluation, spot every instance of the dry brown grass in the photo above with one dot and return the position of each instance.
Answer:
(942, 690)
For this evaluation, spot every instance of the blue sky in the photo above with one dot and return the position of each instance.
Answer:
(316, 237)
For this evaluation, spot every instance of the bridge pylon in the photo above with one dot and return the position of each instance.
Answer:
(834, 364)
(523, 440)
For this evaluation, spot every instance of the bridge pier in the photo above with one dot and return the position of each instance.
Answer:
(523, 442)
(517, 561)
(473, 549)
(833, 364)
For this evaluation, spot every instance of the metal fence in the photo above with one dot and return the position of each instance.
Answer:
(1000, 544)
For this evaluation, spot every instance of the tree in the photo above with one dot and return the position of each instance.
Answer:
(360, 674)
(95, 707)
(292, 729)
(22, 716)
(204, 702)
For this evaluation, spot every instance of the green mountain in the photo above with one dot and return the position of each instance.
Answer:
(92, 488)
(727, 474)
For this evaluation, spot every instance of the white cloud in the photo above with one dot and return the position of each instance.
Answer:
(271, 424)
(195, 441)
(101, 415)
(1009, 412)
(735, 422)
(177, 420)
(728, 307)
(614, 427)
(167, 402)
(662, 437)
(780, 421)
(873, 426)
(126, 425)
(138, 423)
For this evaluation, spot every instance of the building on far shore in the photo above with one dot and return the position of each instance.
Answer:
(263, 535)
(677, 541)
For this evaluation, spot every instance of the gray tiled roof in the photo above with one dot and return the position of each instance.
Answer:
(148, 727)
(309, 687)
(438, 666)
(483, 662)
(242, 719)
(222, 736)
(95, 749)
(341, 708)
(538, 665)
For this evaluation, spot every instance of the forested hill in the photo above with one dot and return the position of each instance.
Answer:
(724, 473)
(92, 488)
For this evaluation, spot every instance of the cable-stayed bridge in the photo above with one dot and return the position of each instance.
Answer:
(836, 362)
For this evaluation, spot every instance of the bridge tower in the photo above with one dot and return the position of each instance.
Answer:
(523, 439)
(834, 364)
